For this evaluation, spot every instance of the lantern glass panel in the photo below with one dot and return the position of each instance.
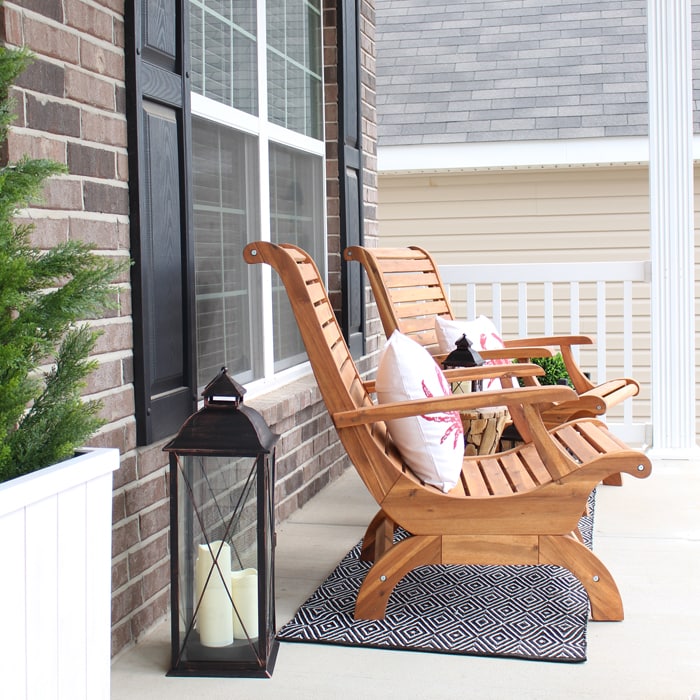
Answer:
(218, 552)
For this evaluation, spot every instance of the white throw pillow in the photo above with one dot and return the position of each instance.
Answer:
(431, 445)
(482, 334)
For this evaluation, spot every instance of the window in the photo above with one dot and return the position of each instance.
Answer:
(226, 217)
(257, 153)
(226, 145)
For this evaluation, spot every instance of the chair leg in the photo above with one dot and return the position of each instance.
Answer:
(379, 537)
(603, 594)
(389, 569)
(613, 480)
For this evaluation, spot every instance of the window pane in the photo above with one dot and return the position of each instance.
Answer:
(296, 216)
(225, 176)
(294, 65)
(223, 52)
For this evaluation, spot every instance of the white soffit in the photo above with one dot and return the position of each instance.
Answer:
(517, 155)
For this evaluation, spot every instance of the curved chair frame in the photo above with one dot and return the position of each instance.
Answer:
(515, 507)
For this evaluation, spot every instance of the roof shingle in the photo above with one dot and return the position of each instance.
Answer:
(461, 71)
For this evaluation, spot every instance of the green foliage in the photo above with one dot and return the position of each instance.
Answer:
(554, 368)
(43, 295)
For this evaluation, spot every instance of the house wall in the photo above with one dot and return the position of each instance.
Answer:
(71, 107)
(507, 216)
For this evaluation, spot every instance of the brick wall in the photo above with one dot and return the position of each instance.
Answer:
(71, 107)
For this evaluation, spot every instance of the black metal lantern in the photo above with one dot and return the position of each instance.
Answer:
(222, 465)
(464, 356)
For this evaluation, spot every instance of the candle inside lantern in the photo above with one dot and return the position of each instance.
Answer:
(244, 591)
(214, 621)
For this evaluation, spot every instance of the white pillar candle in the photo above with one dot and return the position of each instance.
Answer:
(244, 590)
(214, 621)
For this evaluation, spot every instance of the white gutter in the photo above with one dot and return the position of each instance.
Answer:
(515, 155)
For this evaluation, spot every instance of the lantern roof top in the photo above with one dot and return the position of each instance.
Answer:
(464, 355)
(224, 426)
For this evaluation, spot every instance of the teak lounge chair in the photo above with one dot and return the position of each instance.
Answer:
(409, 294)
(515, 507)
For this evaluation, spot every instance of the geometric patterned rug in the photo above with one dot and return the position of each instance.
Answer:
(525, 612)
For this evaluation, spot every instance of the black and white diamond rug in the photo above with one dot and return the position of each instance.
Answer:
(527, 612)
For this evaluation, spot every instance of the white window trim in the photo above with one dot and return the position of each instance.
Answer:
(267, 133)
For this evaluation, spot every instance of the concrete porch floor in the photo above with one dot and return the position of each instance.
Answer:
(647, 533)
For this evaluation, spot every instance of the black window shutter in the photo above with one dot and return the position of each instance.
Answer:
(350, 170)
(158, 124)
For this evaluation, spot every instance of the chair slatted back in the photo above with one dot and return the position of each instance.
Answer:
(413, 285)
(339, 381)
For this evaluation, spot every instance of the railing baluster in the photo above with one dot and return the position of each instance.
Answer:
(497, 305)
(548, 308)
(573, 275)
(522, 309)
(601, 334)
(575, 314)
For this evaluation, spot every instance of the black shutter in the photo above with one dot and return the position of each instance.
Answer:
(350, 169)
(159, 148)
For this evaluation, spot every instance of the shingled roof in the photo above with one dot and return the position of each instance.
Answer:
(510, 70)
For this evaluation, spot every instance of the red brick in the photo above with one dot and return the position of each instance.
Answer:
(106, 198)
(121, 436)
(126, 472)
(120, 573)
(21, 144)
(118, 506)
(126, 601)
(154, 520)
(144, 494)
(90, 161)
(54, 116)
(101, 60)
(125, 310)
(99, 127)
(47, 232)
(89, 89)
(108, 375)
(145, 618)
(121, 637)
(56, 44)
(12, 26)
(52, 10)
(122, 166)
(152, 459)
(105, 235)
(116, 5)
(62, 192)
(119, 35)
(156, 581)
(116, 336)
(89, 19)
(148, 555)
(117, 404)
(125, 536)
(43, 77)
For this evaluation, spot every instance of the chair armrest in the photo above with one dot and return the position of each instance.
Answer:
(465, 374)
(521, 352)
(549, 340)
(455, 402)
(564, 342)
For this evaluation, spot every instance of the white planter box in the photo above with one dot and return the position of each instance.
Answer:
(55, 580)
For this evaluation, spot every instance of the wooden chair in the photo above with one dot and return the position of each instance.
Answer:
(409, 294)
(515, 507)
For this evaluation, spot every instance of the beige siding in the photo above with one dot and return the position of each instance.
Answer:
(558, 215)
(567, 214)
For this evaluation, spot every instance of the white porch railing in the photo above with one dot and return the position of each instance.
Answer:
(607, 300)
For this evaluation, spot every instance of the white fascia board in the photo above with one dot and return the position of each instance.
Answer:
(514, 155)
